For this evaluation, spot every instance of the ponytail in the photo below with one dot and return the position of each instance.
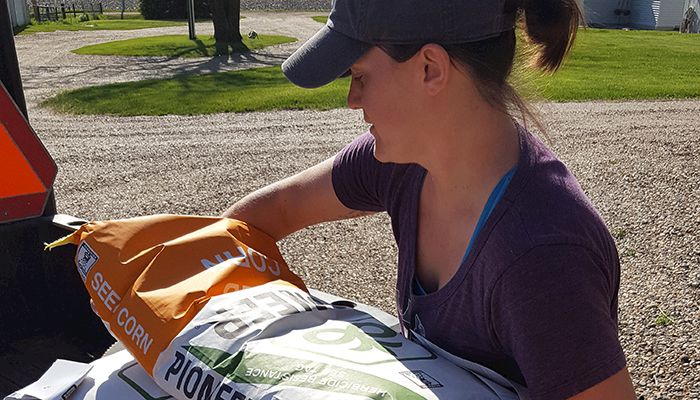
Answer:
(551, 27)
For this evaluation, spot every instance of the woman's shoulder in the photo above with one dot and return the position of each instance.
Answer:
(549, 202)
(545, 205)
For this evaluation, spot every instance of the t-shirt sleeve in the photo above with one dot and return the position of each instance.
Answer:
(555, 312)
(358, 176)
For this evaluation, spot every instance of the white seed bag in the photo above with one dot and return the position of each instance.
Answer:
(275, 342)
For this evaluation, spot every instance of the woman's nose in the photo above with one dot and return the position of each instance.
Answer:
(354, 95)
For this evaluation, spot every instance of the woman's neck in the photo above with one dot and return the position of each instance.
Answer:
(468, 154)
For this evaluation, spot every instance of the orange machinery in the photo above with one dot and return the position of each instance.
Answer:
(44, 310)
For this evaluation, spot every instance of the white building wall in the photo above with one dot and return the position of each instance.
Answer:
(644, 14)
(600, 13)
(19, 14)
(670, 14)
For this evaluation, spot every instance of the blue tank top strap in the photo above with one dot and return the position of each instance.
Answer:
(493, 199)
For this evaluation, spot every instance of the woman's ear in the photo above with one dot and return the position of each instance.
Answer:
(436, 64)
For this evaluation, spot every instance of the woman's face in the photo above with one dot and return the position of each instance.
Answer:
(386, 92)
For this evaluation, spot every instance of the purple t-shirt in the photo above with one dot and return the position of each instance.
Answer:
(536, 297)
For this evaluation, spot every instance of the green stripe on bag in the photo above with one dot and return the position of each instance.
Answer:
(267, 369)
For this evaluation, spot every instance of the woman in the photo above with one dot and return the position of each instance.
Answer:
(502, 258)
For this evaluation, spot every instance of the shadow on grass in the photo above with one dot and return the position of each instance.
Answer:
(232, 91)
(185, 81)
(201, 47)
(223, 63)
(19, 29)
(210, 51)
(258, 78)
(152, 68)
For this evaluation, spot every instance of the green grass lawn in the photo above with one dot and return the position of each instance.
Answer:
(117, 15)
(131, 21)
(321, 18)
(174, 46)
(237, 91)
(619, 65)
(605, 65)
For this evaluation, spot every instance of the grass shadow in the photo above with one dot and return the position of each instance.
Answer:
(234, 91)
(178, 46)
(19, 29)
(201, 48)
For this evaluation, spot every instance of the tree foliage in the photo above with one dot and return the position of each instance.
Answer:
(172, 9)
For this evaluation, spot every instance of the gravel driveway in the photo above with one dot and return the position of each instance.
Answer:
(638, 161)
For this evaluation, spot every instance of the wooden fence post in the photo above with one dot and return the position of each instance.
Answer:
(37, 13)
(63, 11)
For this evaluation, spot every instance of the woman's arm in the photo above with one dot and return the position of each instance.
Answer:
(555, 311)
(294, 203)
(619, 386)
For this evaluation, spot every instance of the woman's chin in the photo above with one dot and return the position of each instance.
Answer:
(378, 155)
(373, 130)
(378, 146)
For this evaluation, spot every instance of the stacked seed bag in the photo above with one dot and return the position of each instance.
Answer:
(210, 310)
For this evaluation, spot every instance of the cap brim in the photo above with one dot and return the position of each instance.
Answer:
(323, 58)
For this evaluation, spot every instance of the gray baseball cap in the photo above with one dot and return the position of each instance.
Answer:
(354, 26)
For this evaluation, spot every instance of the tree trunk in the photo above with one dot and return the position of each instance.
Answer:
(226, 15)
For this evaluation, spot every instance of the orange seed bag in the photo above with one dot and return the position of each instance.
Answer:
(149, 276)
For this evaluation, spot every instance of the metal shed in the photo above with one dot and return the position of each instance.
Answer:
(635, 14)
(19, 14)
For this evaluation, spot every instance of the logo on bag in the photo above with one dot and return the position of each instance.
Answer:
(421, 379)
(85, 259)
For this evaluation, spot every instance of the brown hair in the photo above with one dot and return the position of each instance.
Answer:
(550, 29)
